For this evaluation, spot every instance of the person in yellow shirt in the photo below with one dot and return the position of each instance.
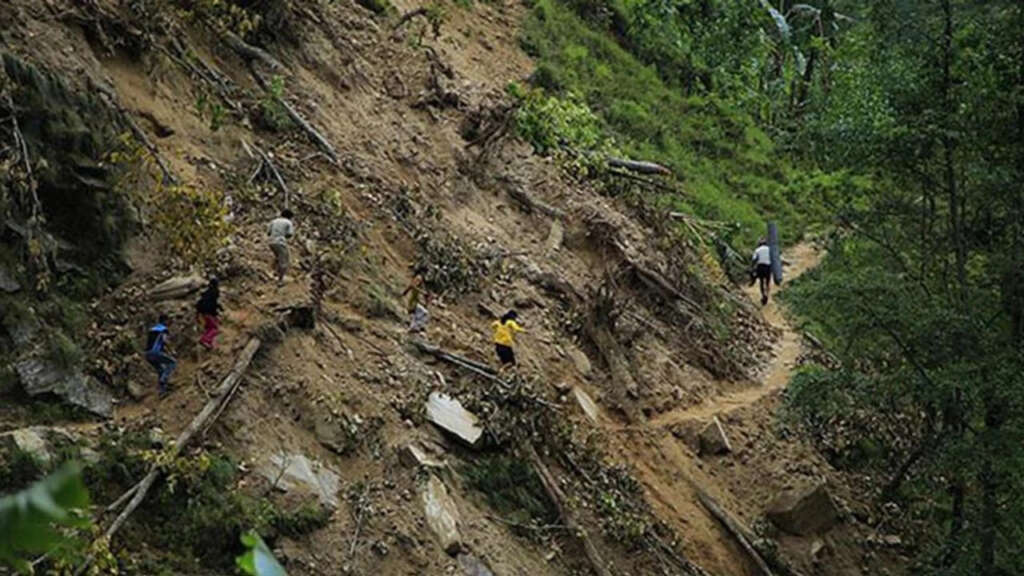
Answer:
(505, 331)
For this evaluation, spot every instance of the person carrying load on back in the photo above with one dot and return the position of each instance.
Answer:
(208, 314)
(157, 353)
(505, 330)
(281, 229)
(761, 265)
(418, 314)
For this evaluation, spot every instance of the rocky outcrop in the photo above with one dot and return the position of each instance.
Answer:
(296, 473)
(38, 442)
(713, 440)
(442, 515)
(804, 512)
(39, 376)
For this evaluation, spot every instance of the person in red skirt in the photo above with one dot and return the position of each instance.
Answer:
(208, 314)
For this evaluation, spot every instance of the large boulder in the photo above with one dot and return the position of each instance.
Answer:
(804, 512)
(296, 473)
(39, 442)
(442, 515)
(448, 414)
(39, 376)
(713, 440)
(177, 287)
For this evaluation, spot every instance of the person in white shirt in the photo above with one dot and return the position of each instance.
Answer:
(762, 268)
(281, 229)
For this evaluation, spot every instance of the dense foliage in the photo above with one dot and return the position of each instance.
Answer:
(920, 299)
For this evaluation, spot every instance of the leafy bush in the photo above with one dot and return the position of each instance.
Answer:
(273, 115)
(552, 124)
(63, 351)
(194, 221)
(512, 488)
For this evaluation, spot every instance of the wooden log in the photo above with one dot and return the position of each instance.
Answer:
(531, 204)
(249, 52)
(462, 361)
(274, 172)
(739, 532)
(558, 498)
(638, 166)
(223, 392)
(313, 134)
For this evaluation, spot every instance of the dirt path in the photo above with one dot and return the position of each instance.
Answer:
(801, 258)
(670, 473)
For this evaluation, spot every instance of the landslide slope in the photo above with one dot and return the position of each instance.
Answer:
(419, 165)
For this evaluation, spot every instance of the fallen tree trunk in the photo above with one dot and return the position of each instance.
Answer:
(249, 52)
(471, 365)
(313, 134)
(531, 204)
(212, 408)
(274, 172)
(638, 166)
(739, 532)
(558, 498)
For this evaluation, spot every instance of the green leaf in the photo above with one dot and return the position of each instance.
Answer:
(30, 518)
(258, 560)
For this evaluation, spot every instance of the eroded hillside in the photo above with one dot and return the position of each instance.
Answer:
(163, 136)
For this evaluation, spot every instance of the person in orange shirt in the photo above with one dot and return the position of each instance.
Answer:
(505, 330)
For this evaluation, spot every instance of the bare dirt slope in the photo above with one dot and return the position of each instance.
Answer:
(395, 104)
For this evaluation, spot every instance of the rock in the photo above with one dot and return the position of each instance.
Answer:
(818, 550)
(580, 360)
(563, 387)
(804, 512)
(332, 435)
(38, 441)
(413, 455)
(713, 440)
(555, 236)
(177, 287)
(296, 473)
(39, 376)
(442, 515)
(156, 437)
(448, 414)
(473, 566)
(7, 282)
(30, 441)
(587, 404)
(689, 432)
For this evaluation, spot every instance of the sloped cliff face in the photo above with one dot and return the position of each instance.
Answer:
(163, 136)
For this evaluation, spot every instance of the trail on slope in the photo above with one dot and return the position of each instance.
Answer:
(801, 258)
(670, 473)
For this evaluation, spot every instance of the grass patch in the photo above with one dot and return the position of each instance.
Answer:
(730, 168)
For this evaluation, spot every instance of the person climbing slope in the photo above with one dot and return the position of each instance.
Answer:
(281, 229)
(418, 314)
(157, 350)
(208, 314)
(762, 268)
(505, 330)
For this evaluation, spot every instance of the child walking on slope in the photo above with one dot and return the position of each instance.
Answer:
(208, 314)
(157, 353)
(505, 330)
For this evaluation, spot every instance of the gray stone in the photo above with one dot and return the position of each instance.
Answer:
(473, 566)
(37, 441)
(39, 376)
(442, 515)
(555, 236)
(448, 414)
(7, 282)
(804, 512)
(177, 287)
(587, 404)
(296, 473)
(713, 439)
(413, 455)
(580, 360)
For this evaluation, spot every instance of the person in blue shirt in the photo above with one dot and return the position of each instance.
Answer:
(157, 353)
